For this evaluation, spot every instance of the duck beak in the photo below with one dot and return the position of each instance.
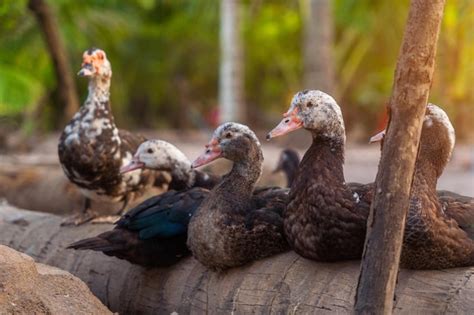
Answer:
(87, 70)
(378, 137)
(212, 152)
(289, 123)
(134, 164)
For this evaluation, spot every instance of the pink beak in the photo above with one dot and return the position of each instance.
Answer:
(213, 151)
(289, 123)
(134, 164)
(378, 137)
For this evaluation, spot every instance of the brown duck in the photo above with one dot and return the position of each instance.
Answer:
(322, 221)
(435, 231)
(235, 225)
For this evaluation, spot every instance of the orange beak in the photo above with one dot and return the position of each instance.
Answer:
(378, 137)
(289, 123)
(213, 151)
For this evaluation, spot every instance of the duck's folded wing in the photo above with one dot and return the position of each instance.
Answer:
(459, 208)
(271, 198)
(165, 215)
(125, 244)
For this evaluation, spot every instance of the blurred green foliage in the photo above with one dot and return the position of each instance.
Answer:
(165, 58)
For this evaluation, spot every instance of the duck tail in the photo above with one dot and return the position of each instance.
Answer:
(100, 243)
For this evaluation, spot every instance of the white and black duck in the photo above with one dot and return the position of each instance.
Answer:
(92, 149)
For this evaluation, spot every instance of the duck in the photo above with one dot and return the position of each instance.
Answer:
(434, 239)
(232, 226)
(288, 162)
(153, 234)
(92, 149)
(160, 155)
(324, 219)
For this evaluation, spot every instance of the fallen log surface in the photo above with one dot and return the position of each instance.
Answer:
(283, 284)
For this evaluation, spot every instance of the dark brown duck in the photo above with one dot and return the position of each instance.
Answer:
(435, 230)
(234, 226)
(324, 220)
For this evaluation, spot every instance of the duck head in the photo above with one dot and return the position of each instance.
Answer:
(95, 64)
(232, 141)
(437, 139)
(315, 111)
(157, 155)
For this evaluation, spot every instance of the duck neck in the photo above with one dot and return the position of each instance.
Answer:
(290, 172)
(99, 93)
(182, 175)
(325, 157)
(241, 180)
(424, 179)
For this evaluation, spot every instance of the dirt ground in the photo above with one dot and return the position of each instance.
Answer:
(360, 166)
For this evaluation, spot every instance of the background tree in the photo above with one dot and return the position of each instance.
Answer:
(160, 48)
(318, 46)
(65, 83)
(231, 76)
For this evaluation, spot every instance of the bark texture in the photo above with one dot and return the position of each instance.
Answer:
(317, 46)
(49, 27)
(413, 77)
(283, 284)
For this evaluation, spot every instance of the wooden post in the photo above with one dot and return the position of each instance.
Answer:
(413, 76)
(64, 77)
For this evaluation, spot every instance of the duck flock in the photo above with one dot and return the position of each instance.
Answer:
(226, 221)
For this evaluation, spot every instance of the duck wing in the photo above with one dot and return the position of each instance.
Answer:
(459, 208)
(152, 234)
(164, 215)
(272, 199)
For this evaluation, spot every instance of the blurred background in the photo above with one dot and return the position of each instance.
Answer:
(181, 67)
(167, 57)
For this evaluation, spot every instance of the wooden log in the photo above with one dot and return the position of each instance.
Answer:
(283, 284)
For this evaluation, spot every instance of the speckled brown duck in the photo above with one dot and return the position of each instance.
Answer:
(324, 220)
(232, 226)
(92, 149)
(434, 236)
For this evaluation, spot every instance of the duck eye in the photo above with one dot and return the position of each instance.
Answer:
(228, 135)
(309, 105)
(150, 151)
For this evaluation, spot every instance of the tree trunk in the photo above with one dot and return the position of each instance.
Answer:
(231, 78)
(317, 46)
(283, 284)
(413, 77)
(49, 26)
